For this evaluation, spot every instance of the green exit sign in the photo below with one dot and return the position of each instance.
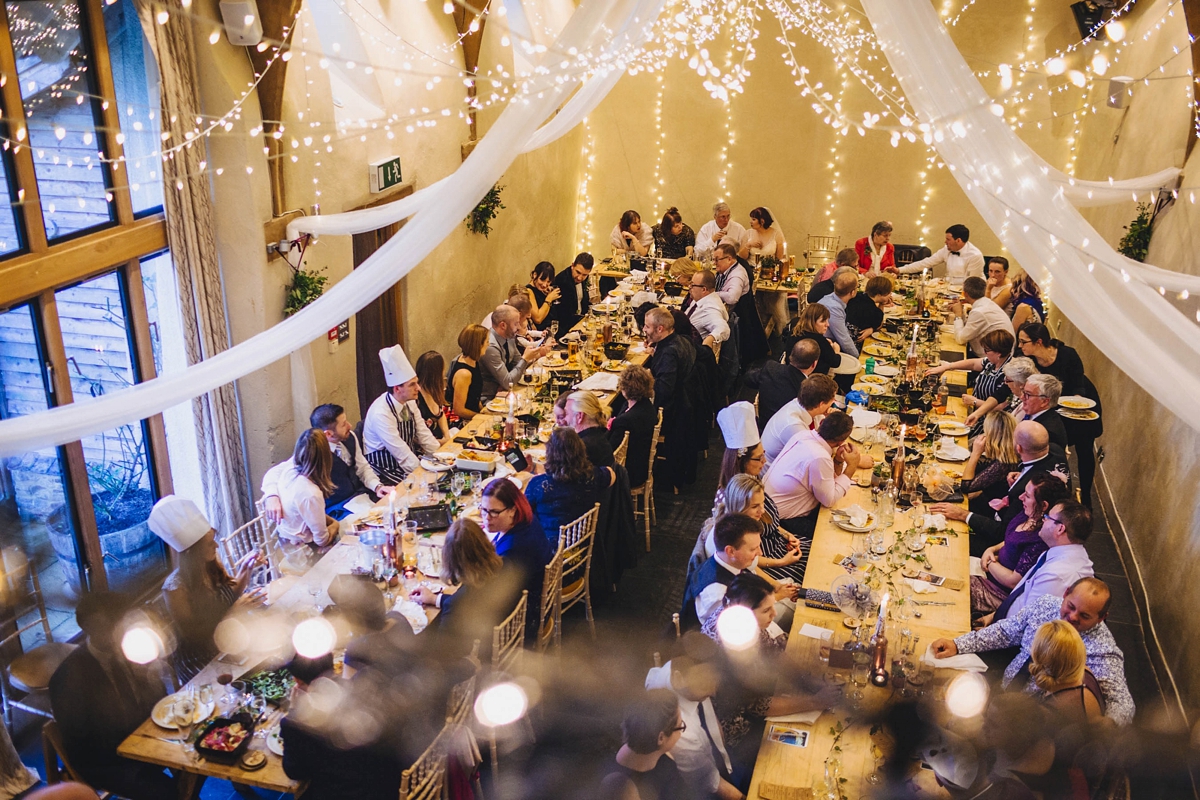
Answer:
(385, 174)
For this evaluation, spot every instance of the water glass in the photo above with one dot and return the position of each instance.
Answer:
(458, 484)
(183, 715)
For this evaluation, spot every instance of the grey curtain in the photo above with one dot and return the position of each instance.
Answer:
(194, 251)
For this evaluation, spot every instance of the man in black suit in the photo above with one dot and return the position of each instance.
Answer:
(671, 365)
(99, 697)
(1040, 402)
(779, 384)
(573, 302)
(1037, 454)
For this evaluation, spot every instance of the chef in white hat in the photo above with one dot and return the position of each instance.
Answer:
(394, 435)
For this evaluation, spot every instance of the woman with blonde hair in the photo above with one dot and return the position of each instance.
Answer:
(993, 456)
(783, 555)
(588, 418)
(1058, 668)
(465, 391)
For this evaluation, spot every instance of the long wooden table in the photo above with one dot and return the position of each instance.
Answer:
(805, 766)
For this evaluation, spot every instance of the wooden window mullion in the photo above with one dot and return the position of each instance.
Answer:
(138, 319)
(110, 113)
(14, 108)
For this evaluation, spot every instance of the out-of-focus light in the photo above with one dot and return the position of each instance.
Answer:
(1115, 30)
(231, 636)
(141, 644)
(1056, 66)
(501, 704)
(737, 627)
(314, 637)
(967, 695)
(1099, 63)
(1006, 77)
(1078, 78)
(997, 109)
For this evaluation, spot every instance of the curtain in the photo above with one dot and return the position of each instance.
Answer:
(188, 205)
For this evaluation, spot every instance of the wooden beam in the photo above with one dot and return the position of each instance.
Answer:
(25, 276)
(275, 230)
(139, 325)
(28, 198)
(1191, 13)
(118, 172)
(277, 18)
(383, 198)
(470, 41)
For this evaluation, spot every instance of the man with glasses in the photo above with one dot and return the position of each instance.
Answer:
(1039, 402)
(707, 310)
(733, 284)
(721, 228)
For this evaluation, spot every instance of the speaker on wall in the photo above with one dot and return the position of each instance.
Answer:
(242, 25)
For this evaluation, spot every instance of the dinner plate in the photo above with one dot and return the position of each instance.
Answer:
(867, 388)
(554, 361)
(940, 456)
(497, 405)
(275, 742)
(857, 434)
(953, 428)
(846, 526)
(435, 466)
(161, 714)
(887, 370)
(883, 336)
(1076, 402)
(1082, 416)
(878, 380)
(615, 366)
(878, 350)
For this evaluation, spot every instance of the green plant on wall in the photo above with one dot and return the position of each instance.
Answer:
(307, 286)
(480, 220)
(1136, 243)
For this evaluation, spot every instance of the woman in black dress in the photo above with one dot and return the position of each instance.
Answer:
(636, 385)
(542, 294)
(812, 324)
(466, 380)
(1053, 357)
(672, 237)
(587, 417)
(642, 768)
(431, 397)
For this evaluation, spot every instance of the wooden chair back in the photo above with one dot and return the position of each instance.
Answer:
(257, 534)
(508, 638)
(426, 778)
(577, 540)
(646, 490)
(622, 450)
(22, 605)
(550, 626)
(58, 768)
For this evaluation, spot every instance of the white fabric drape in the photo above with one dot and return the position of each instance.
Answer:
(1087, 194)
(609, 28)
(1140, 331)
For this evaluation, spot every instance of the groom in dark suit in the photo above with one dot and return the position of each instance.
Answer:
(573, 303)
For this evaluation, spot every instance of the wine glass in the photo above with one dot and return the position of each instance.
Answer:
(183, 716)
(859, 676)
(314, 590)
(458, 484)
(553, 330)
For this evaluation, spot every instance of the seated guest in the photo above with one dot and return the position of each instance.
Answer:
(394, 436)
(1006, 563)
(865, 311)
(998, 289)
(560, 410)
(961, 258)
(721, 228)
(638, 419)
(1036, 454)
(779, 384)
(630, 235)
(845, 286)
(813, 324)
(1039, 402)
(518, 299)
(642, 769)
(876, 253)
(199, 593)
(803, 413)
(672, 238)
(783, 555)
(465, 384)
(984, 317)
(700, 753)
(707, 311)
(1056, 358)
(542, 293)
(99, 697)
(571, 485)
(991, 387)
(302, 484)
(738, 540)
(1084, 607)
(431, 394)
(349, 473)
(586, 417)
(812, 470)
(519, 541)
(735, 285)
(993, 456)
(1058, 668)
(1026, 299)
(822, 283)
(504, 361)
(1017, 370)
(672, 363)
(763, 237)
(573, 301)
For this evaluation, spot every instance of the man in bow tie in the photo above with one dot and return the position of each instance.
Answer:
(961, 258)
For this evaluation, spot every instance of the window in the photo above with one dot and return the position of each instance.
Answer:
(135, 80)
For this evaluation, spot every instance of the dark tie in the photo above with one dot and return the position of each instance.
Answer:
(719, 758)
(955, 252)
(1002, 611)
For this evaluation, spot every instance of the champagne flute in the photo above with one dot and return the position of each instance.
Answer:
(184, 718)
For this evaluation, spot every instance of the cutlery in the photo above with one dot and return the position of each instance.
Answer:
(933, 602)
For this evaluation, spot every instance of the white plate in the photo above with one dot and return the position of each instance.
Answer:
(867, 388)
(887, 370)
(953, 428)
(497, 405)
(1075, 402)
(435, 466)
(161, 714)
(940, 456)
(275, 743)
(857, 434)
(1082, 416)
(846, 526)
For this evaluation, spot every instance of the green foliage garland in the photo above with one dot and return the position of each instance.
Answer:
(480, 220)
(307, 286)
(1136, 243)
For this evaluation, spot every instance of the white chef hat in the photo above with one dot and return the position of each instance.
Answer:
(738, 426)
(178, 522)
(396, 368)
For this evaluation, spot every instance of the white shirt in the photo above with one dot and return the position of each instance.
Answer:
(706, 241)
(735, 286)
(365, 472)
(1058, 568)
(802, 477)
(711, 596)
(380, 431)
(787, 422)
(959, 267)
(303, 504)
(710, 317)
(617, 239)
(693, 753)
(985, 316)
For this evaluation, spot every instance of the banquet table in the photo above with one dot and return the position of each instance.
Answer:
(793, 766)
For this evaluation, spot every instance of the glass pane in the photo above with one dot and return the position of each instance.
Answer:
(135, 77)
(100, 360)
(52, 65)
(12, 232)
(35, 517)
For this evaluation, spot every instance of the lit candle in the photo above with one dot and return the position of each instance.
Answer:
(902, 429)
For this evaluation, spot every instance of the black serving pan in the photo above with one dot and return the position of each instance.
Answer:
(220, 756)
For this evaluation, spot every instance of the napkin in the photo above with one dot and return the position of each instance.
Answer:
(599, 382)
(976, 567)
(812, 631)
(967, 662)
(414, 612)
(803, 717)
(921, 587)
(935, 521)
(642, 297)
(637, 276)
(858, 515)
(359, 504)
(948, 449)
(864, 418)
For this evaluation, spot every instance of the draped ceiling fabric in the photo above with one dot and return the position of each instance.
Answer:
(608, 30)
(194, 253)
(1116, 304)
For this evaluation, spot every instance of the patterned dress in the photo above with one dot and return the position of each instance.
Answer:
(775, 544)
(737, 707)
